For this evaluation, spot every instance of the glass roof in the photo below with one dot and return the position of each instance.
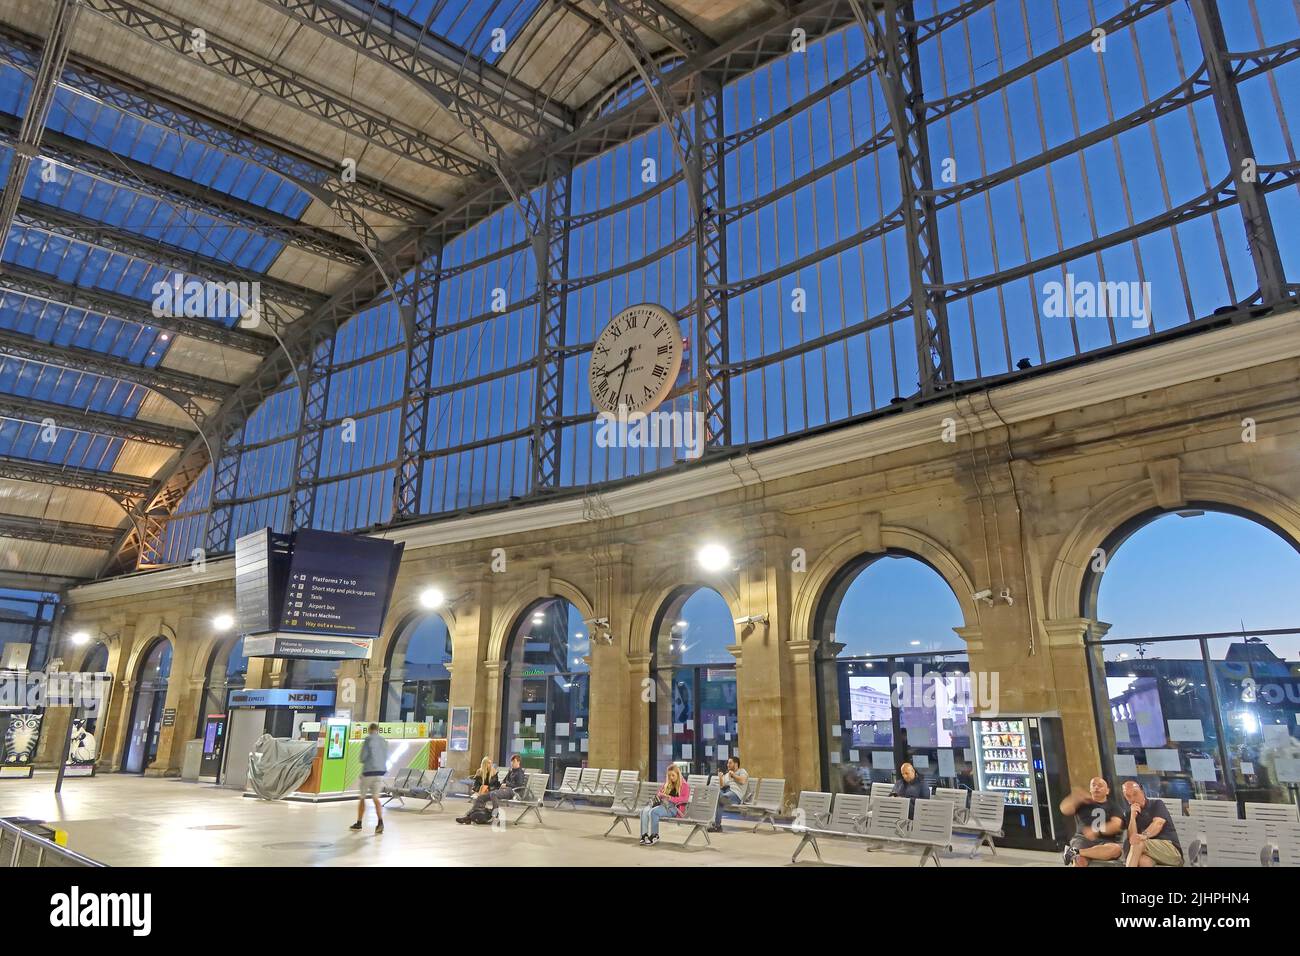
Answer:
(468, 24)
(92, 227)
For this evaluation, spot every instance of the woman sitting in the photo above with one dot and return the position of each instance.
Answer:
(483, 789)
(672, 800)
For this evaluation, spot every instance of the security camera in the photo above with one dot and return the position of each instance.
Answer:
(986, 596)
(598, 627)
(1005, 595)
(751, 619)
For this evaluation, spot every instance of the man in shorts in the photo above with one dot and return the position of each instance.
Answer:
(374, 764)
(1151, 839)
(1099, 825)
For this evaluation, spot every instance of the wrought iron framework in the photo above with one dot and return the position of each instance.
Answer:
(684, 82)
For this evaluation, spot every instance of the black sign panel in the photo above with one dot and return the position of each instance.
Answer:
(339, 584)
(261, 569)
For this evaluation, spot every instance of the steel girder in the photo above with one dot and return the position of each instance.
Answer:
(712, 392)
(358, 293)
(666, 23)
(56, 221)
(314, 379)
(146, 180)
(257, 74)
(93, 423)
(480, 88)
(45, 81)
(71, 533)
(1236, 138)
(744, 52)
(893, 47)
(419, 298)
(194, 122)
(37, 285)
(117, 486)
(548, 379)
(622, 27)
(225, 482)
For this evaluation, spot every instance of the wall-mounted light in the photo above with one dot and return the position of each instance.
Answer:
(223, 622)
(713, 558)
(432, 598)
(80, 638)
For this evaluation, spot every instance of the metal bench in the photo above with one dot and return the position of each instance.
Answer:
(1199, 812)
(984, 819)
(1272, 815)
(432, 788)
(400, 785)
(694, 780)
(531, 798)
(957, 797)
(810, 818)
(879, 790)
(1286, 841)
(1236, 843)
(605, 782)
(769, 797)
(644, 796)
(588, 781)
(699, 813)
(568, 788)
(930, 829)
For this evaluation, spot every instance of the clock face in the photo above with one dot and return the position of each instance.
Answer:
(636, 359)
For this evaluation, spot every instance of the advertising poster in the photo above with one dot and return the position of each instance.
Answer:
(458, 739)
(83, 748)
(338, 737)
(20, 734)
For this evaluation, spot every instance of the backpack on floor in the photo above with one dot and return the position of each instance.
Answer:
(481, 815)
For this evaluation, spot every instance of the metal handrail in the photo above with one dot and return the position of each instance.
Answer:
(44, 848)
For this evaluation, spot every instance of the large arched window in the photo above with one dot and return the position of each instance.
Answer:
(892, 675)
(147, 709)
(417, 683)
(227, 671)
(693, 713)
(1197, 678)
(545, 708)
(96, 659)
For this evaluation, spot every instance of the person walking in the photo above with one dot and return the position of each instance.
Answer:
(374, 764)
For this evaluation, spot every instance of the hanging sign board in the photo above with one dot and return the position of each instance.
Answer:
(317, 583)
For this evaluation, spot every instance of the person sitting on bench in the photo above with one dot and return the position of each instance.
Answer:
(1099, 824)
(1150, 835)
(485, 787)
(733, 781)
(910, 784)
(671, 802)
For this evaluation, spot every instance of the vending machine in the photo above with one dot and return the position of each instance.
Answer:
(1022, 757)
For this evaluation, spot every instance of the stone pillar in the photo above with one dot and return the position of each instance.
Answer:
(610, 742)
(766, 717)
(801, 664)
(167, 761)
(1074, 698)
(471, 632)
(638, 716)
(487, 740)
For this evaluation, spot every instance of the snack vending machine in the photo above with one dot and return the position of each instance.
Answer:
(1022, 757)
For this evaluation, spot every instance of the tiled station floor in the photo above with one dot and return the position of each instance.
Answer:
(142, 821)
